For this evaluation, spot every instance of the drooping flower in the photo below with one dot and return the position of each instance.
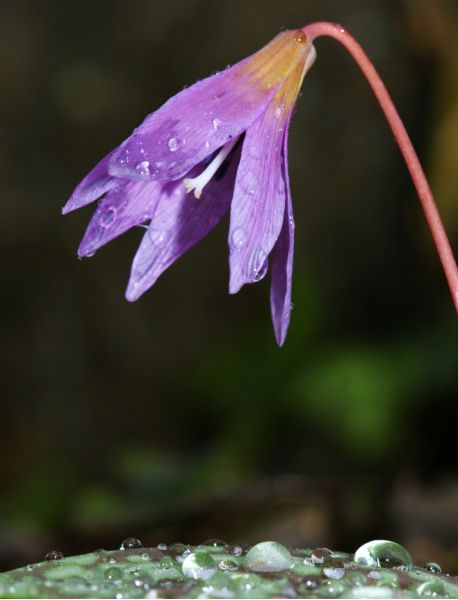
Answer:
(225, 139)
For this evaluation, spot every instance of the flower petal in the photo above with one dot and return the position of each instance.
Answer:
(282, 263)
(258, 205)
(204, 117)
(94, 185)
(179, 222)
(130, 203)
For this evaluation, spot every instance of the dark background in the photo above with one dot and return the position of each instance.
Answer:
(177, 418)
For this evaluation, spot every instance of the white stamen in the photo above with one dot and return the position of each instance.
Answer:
(198, 183)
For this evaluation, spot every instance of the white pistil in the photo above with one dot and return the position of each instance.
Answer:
(198, 183)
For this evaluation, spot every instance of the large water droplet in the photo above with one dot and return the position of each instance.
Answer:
(383, 553)
(268, 557)
(238, 237)
(173, 144)
(199, 565)
(142, 168)
(130, 543)
(432, 589)
(54, 555)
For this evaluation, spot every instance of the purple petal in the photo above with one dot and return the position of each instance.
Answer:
(204, 117)
(123, 207)
(96, 183)
(179, 222)
(258, 206)
(282, 263)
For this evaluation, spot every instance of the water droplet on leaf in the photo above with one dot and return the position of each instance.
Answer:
(54, 555)
(431, 589)
(268, 557)
(433, 567)
(383, 553)
(130, 543)
(199, 565)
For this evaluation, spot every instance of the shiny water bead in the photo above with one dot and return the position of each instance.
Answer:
(333, 569)
(167, 562)
(432, 589)
(319, 555)
(199, 565)
(383, 553)
(162, 547)
(228, 565)
(433, 567)
(268, 557)
(130, 544)
(54, 555)
(178, 551)
(236, 550)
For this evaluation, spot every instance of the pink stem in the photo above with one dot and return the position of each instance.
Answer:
(413, 164)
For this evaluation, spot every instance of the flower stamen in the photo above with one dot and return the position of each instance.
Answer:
(198, 183)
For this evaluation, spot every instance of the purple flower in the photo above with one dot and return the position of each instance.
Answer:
(225, 139)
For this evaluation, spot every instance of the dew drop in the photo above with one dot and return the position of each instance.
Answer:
(158, 236)
(54, 555)
(130, 544)
(433, 567)
(216, 124)
(236, 550)
(258, 266)
(178, 551)
(432, 589)
(173, 144)
(228, 565)
(268, 557)
(319, 555)
(108, 217)
(334, 569)
(162, 547)
(238, 237)
(383, 553)
(199, 565)
(142, 168)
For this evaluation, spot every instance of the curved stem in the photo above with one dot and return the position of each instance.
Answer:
(402, 138)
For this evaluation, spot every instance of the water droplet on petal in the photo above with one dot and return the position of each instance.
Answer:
(199, 565)
(216, 124)
(383, 553)
(142, 168)
(130, 543)
(173, 144)
(433, 567)
(54, 555)
(158, 236)
(258, 266)
(238, 237)
(108, 217)
(268, 557)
